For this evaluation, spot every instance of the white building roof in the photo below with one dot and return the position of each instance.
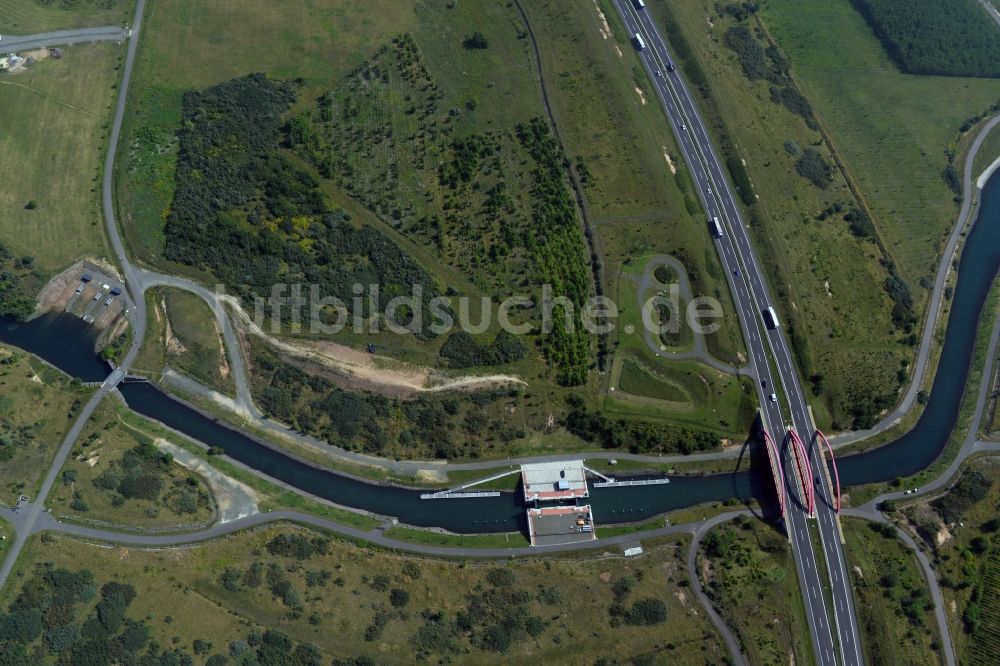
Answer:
(554, 480)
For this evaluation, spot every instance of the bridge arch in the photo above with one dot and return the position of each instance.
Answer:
(833, 463)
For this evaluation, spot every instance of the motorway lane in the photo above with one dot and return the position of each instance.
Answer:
(752, 298)
(110, 33)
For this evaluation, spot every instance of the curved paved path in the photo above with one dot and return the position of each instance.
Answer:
(700, 352)
(692, 568)
(109, 33)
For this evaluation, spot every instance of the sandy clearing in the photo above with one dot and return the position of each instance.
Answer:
(379, 371)
(642, 95)
(605, 26)
(670, 162)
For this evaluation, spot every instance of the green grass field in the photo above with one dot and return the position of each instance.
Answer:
(37, 404)
(638, 380)
(51, 151)
(988, 153)
(750, 578)
(199, 352)
(341, 594)
(26, 17)
(684, 392)
(892, 129)
(896, 623)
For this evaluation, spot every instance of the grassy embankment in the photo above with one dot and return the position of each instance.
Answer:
(51, 151)
(895, 611)
(858, 495)
(349, 600)
(26, 17)
(988, 153)
(747, 569)
(194, 346)
(37, 406)
(117, 476)
(959, 528)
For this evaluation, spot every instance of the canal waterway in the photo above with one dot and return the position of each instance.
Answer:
(67, 342)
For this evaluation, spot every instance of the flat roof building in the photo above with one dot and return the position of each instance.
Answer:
(558, 525)
(553, 481)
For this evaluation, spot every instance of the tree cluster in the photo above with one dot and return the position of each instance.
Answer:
(14, 288)
(632, 435)
(814, 168)
(953, 38)
(247, 213)
(971, 488)
(438, 425)
(462, 350)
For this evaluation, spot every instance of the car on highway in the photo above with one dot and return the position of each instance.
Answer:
(658, 73)
(763, 383)
(736, 272)
(774, 397)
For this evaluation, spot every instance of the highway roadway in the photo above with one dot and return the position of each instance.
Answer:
(750, 293)
(109, 33)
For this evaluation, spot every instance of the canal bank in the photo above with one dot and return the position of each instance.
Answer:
(67, 343)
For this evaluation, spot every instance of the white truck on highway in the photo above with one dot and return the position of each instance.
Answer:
(640, 43)
(716, 227)
(640, 4)
(771, 318)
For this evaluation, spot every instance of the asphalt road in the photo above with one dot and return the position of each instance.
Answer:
(991, 10)
(110, 33)
(752, 297)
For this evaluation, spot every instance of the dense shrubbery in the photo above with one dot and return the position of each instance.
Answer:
(382, 135)
(741, 179)
(903, 316)
(760, 62)
(14, 300)
(441, 426)
(859, 223)
(814, 168)
(632, 435)
(247, 213)
(297, 546)
(141, 474)
(556, 238)
(953, 38)
(462, 350)
(970, 489)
